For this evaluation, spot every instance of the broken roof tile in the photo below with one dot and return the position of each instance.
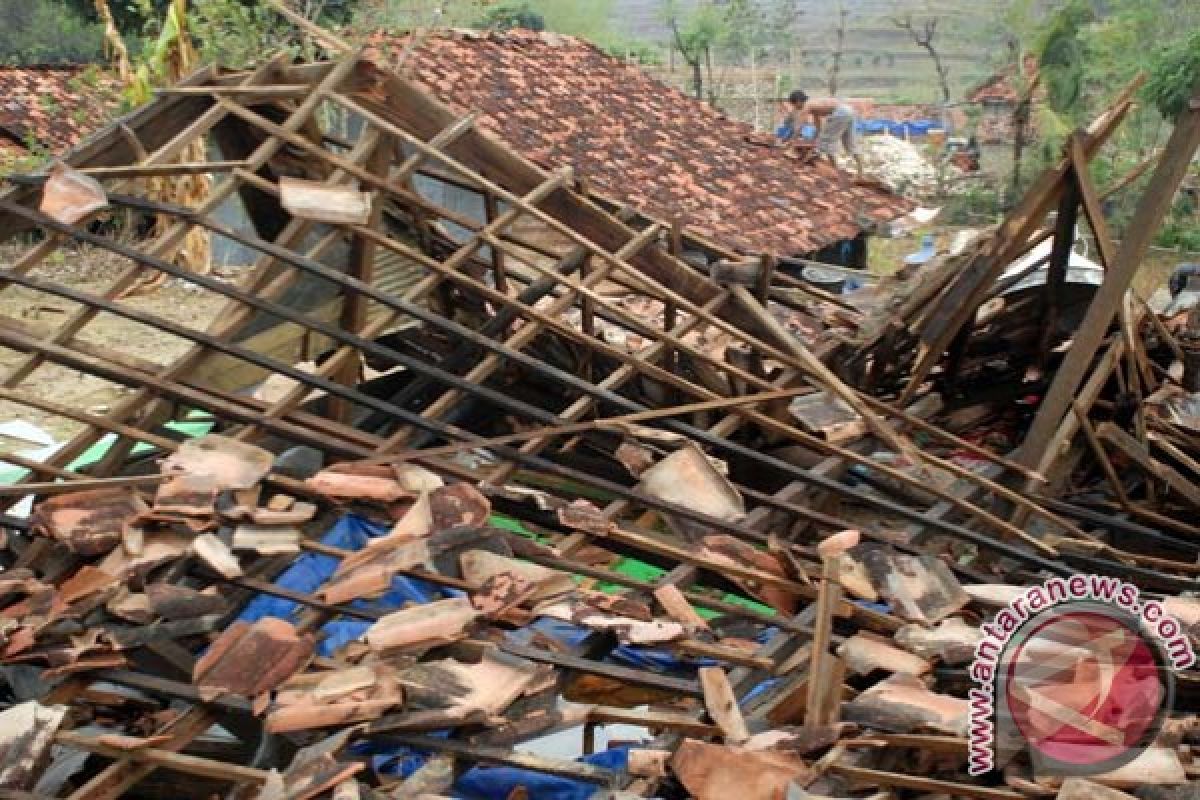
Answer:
(89, 522)
(26, 733)
(249, 659)
(231, 463)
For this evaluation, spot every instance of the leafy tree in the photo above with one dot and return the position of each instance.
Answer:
(235, 34)
(1175, 76)
(131, 16)
(42, 31)
(505, 17)
(1063, 56)
(694, 35)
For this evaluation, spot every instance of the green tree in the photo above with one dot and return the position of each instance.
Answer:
(1062, 58)
(235, 34)
(42, 31)
(694, 35)
(1175, 76)
(507, 16)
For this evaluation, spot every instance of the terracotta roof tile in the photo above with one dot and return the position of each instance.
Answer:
(562, 102)
(54, 106)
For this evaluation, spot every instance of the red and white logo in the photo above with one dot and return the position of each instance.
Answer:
(1079, 672)
(1085, 688)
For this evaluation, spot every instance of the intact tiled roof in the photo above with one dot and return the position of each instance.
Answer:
(999, 87)
(562, 102)
(54, 106)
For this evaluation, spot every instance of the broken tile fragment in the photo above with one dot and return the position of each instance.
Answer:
(69, 196)
(918, 588)
(488, 686)
(903, 704)
(865, 653)
(26, 735)
(688, 478)
(720, 772)
(480, 565)
(251, 658)
(425, 625)
(217, 555)
(952, 641)
(339, 485)
(231, 464)
(338, 698)
(186, 494)
(172, 602)
(90, 522)
(267, 539)
(458, 505)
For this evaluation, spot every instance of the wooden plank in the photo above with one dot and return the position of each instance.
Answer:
(654, 720)
(722, 705)
(819, 709)
(1060, 251)
(1093, 206)
(483, 754)
(635, 677)
(875, 777)
(1135, 450)
(166, 759)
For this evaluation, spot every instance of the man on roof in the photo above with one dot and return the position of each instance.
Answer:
(833, 119)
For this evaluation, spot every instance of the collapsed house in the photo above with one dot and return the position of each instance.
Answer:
(562, 481)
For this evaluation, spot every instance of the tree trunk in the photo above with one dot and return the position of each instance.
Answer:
(697, 79)
(1020, 124)
(942, 73)
(712, 85)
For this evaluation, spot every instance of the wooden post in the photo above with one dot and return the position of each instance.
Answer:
(1060, 257)
(823, 670)
(766, 272)
(491, 211)
(361, 265)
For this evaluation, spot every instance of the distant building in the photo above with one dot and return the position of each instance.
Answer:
(997, 98)
(49, 109)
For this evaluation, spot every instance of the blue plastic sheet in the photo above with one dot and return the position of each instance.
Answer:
(310, 571)
(497, 783)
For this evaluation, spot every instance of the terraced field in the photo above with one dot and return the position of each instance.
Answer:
(879, 60)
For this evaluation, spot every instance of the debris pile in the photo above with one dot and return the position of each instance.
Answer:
(901, 166)
(595, 523)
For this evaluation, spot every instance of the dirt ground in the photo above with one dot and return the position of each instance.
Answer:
(40, 314)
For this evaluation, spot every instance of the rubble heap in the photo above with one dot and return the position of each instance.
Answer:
(901, 166)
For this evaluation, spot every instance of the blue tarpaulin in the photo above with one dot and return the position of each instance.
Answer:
(498, 783)
(310, 571)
